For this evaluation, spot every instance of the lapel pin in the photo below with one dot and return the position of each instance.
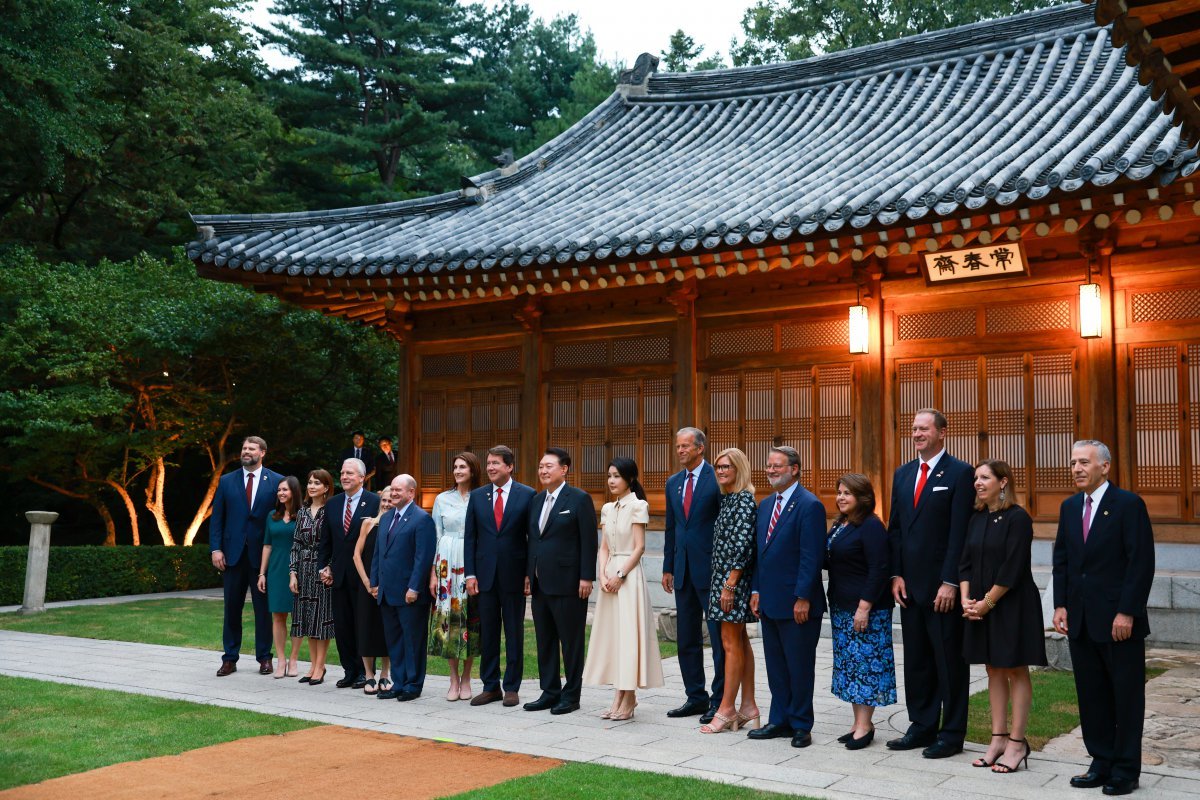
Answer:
(1106, 513)
(938, 475)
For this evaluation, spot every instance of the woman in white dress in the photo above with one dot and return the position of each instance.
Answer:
(623, 650)
(454, 626)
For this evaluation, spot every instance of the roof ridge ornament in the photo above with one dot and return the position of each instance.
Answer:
(635, 82)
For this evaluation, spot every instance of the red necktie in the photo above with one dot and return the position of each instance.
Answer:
(250, 490)
(774, 517)
(346, 519)
(498, 509)
(687, 498)
(1087, 518)
(920, 484)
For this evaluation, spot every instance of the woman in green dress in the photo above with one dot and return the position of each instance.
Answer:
(274, 580)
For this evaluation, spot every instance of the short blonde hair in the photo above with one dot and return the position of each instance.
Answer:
(744, 480)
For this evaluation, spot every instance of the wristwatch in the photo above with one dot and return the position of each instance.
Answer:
(620, 575)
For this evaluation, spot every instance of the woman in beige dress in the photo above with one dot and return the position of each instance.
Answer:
(623, 650)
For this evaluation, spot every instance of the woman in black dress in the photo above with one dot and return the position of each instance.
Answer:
(729, 591)
(368, 621)
(1003, 610)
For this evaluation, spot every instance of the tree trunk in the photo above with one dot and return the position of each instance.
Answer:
(154, 499)
(130, 509)
(218, 459)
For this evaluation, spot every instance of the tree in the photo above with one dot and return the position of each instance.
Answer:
(786, 30)
(680, 52)
(122, 118)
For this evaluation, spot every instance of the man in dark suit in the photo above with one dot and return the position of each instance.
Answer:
(787, 596)
(693, 500)
(562, 568)
(494, 557)
(235, 536)
(385, 463)
(1103, 568)
(932, 500)
(404, 550)
(339, 533)
(358, 449)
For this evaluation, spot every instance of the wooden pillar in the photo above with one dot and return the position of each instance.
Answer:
(685, 394)
(533, 423)
(407, 445)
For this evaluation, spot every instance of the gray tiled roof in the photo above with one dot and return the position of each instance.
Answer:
(1001, 112)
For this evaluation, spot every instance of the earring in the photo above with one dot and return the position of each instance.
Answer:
(1002, 494)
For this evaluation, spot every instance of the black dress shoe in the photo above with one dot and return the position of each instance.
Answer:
(1120, 785)
(305, 679)
(345, 683)
(564, 707)
(860, 742)
(845, 737)
(708, 716)
(317, 681)
(359, 682)
(942, 749)
(770, 731)
(1089, 780)
(542, 703)
(388, 694)
(911, 741)
(801, 739)
(689, 709)
(404, 697)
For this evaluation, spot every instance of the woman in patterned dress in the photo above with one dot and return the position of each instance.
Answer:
(729, 589)
(454, 626)
(313, 614)
(860, 608)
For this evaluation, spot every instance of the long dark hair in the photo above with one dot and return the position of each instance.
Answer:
(627, 468)
(293, 484)
(472, 462)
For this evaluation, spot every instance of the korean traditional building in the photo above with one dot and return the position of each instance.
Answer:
(997, 220)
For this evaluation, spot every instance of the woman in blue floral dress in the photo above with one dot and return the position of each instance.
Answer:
(860, 606)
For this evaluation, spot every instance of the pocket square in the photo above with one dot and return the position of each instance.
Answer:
(941, 488)
(568, 511)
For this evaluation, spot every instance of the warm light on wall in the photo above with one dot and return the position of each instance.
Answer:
(859, 329)
(1089, 310)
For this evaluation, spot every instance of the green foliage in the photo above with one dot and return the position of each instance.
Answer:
(52, 729)
(682, 53)
(82, 572)
(786, 30)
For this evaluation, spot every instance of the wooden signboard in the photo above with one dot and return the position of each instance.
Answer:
(975, 263)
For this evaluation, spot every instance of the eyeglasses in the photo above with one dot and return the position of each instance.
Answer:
(723, 467)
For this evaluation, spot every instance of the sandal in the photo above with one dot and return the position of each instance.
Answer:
(744, 721)
(982, 760)
(727, 724)
(370, 687)
(385, 685)
(1000, 768)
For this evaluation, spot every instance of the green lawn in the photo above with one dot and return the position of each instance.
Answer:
(1055, 708)
(611, 783)
(193, 623)
(52, 729)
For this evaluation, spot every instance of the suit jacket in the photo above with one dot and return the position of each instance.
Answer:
(336, 545)
(233, 525)
(385, 469)
(789, 566)
(366, 454)
(689, 539)
(927, 541)
(404, 556)
(564, 553)
(859, 567)
(497, 555)
(1110, 574)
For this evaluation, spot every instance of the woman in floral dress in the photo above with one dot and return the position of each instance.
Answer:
(313, 614)
(454, 626)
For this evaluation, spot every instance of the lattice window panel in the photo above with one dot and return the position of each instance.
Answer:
(444, 365)
(1193, 383)
(581, 354)
(1173, 304)
(1156, 418)
(755, 410)
(739, 341)
(487, 362)
(952, 324)
(1016, 407)
(1019, 318)
(474, 420)
(642, 350)
(598, 419)
(819, 333)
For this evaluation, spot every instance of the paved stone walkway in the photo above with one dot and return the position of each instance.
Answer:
(650, 742)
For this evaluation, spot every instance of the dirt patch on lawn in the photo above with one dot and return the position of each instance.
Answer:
(316, 763)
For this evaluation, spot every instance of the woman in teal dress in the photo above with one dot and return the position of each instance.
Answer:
(274, 580)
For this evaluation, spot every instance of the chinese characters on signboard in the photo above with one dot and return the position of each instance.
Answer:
(992, 261)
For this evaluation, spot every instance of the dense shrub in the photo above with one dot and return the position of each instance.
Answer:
(80, 572)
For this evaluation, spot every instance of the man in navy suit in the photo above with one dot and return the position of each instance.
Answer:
(562, 568)
(494, 558)
(933, 497)
(235, 535)
(787, 596)
(1103, 568)
(693, 500)
(404, 550)
(339, 533)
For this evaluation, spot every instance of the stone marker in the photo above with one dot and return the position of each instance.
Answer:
(38, 564)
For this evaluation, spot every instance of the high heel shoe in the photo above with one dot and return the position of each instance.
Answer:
(464, 690)
(982, 760)
(744, 721)
(1000, 768)
(618, 716)
(862, 741)
(726, 724)
(317, 681)
(845, 737)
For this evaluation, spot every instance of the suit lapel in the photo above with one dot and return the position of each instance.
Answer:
(783, 515)
(393, 534)
(549, 517)
(1099, 523)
